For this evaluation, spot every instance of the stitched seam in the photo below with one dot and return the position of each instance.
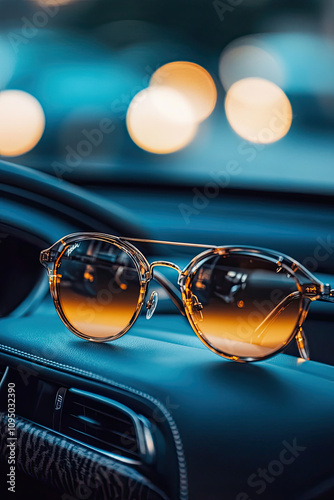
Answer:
(174, 429)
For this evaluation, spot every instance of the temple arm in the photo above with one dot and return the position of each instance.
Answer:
(276, 312)
(326, 296)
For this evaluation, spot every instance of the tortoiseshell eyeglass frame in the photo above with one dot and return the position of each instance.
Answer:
(309, 287)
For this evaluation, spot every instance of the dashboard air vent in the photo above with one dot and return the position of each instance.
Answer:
(108, 426)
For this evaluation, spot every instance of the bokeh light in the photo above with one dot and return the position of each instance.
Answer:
(22, 122)
(193, 82)
(258, 110)
(161, 120)
(250, 57)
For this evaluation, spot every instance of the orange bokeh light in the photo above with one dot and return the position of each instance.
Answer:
(193, 82)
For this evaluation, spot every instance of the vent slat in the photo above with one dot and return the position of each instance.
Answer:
(112, 445)
(104, 413)
(104, 429)
(105, 421)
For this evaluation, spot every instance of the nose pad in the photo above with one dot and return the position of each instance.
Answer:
(302, 344)
(196, 308)
(151, 304)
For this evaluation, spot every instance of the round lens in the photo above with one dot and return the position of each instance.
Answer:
(98, 288)
(243, 306)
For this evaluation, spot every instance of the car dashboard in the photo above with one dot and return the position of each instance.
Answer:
(156, 415)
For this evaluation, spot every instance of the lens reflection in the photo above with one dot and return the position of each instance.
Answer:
(244, 306)
(98, 287)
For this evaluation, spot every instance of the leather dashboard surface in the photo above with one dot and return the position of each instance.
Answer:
(228, 420)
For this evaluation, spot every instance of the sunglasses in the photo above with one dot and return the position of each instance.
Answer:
(245, 304)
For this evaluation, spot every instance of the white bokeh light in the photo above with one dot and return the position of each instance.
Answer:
(160, 120)
(249, 57)
(258, 110)
(22, 122)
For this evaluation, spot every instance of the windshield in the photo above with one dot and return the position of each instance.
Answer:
(238, 93)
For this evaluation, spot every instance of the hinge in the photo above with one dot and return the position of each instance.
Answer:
(312, 290)
(322, 292)
(45, 256)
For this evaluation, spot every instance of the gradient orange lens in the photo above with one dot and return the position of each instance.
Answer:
(243, 306)
(98, 287)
